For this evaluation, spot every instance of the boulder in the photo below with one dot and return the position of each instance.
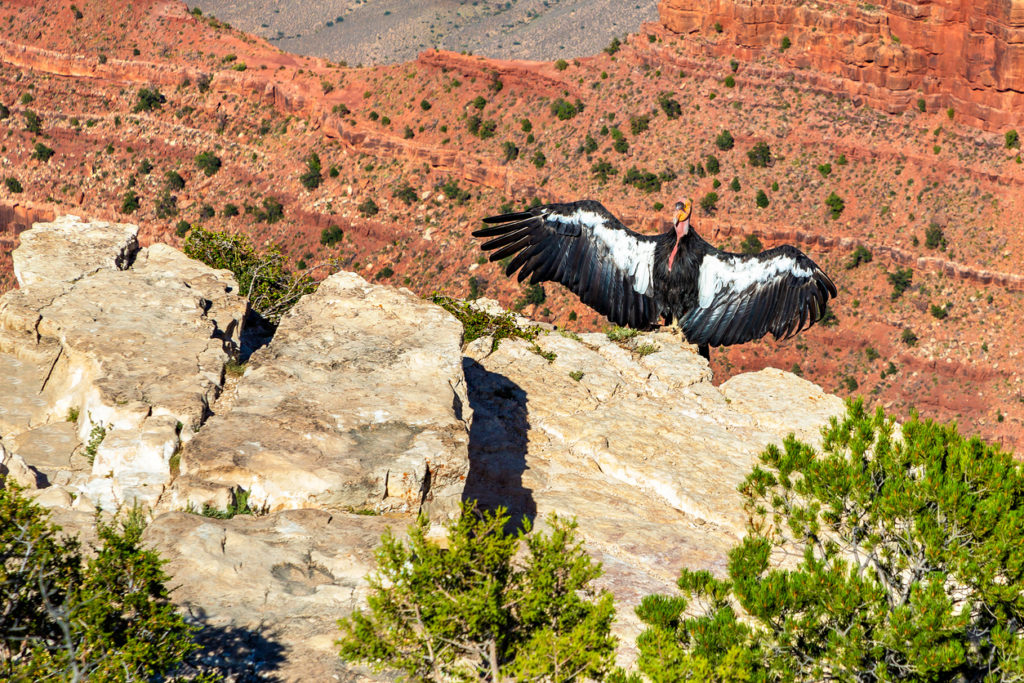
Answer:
(358, 402)
(69, 248)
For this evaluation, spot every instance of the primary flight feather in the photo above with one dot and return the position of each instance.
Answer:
(717, 298)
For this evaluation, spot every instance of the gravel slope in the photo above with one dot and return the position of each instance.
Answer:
(391, 31)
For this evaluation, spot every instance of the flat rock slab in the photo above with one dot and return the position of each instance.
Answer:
(268, 591)
(70, 248)
(640, 447)
(358, 402)
(51, 449)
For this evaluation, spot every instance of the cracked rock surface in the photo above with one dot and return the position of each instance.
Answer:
(358, 402)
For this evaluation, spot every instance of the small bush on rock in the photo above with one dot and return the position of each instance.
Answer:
(271, 288)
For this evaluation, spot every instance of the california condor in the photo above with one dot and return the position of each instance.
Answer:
(717, 298)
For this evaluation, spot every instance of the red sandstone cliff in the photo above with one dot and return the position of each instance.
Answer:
(965, 55)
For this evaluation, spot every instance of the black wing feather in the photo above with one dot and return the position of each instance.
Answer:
(780, 291)
(569, 244)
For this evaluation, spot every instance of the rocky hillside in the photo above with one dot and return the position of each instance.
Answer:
(365, 407)
(923, 236)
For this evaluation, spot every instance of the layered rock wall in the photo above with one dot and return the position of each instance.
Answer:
(964, 55)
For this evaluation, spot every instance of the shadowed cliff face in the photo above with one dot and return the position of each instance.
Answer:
(964, 55)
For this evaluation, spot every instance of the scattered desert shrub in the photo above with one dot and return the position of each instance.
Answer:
(760, 155)
(331, 235)
(709, 203)
(368, 207)
(564, 110)
(148, 99)
(311, 178)
(41, 152)
(208, 162)
(761, 199)
(900, 279)
(130, 202)
(861, 254)
(670, 105)
(1012, 139)
(751, 245)
(835, 205)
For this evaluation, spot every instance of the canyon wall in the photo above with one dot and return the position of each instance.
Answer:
(968, 56)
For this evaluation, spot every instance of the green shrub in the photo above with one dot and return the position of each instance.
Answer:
(33, 124)
(368, 207)
(760, 155)
(331, 235)
(239, 504)
(729, 81)
(564, 110)
(939, 312)
(712, 165)
(561, 65)
(642, 180)
(473, 124)
(734, 184)
(229, 210)
(479, 102)
(589, 144)
(922, 105)
(311, 178)
(761, 200)
(145, 167)
(526, 125)
(602, 169)
(174, 181)
(67, 615)
(206, 211)
(709, 203)
(835, 205)
(452, 191)
(785, 44)
(825, 169)
(900, 279)
(425, 105)
(751, 245)
(614, 46)
(934, 237)
(908, 337)
(639, 124)
(148, 99)
(487, 129)
(1012, 139)
(539, 159)
(208, 162)
(670, 105)
(905, 545)
(470, 611)
(166, 205)
(42, 153)
(13, 185)
(724, 141)
(272, 290)
(384, 273)
(4, 111)
(182, 227)
(130, 202)
(861, 254)
(406, 193)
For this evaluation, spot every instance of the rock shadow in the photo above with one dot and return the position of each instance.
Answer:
(256, 333)
(238, 654)
(498, 444)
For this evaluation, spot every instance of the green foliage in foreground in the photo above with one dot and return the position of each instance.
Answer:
(63, 617)
(271, 288)
(906, 564)
(477, 323)
(473, 611)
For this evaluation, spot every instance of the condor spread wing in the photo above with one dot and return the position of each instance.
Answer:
(584, 247)
(744, 297)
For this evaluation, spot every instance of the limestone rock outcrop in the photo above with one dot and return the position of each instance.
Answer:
(967, 56)
(364, 409)
(358, 402)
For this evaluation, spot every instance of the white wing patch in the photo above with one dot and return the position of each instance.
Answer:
(736, 274)
(633, 257)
